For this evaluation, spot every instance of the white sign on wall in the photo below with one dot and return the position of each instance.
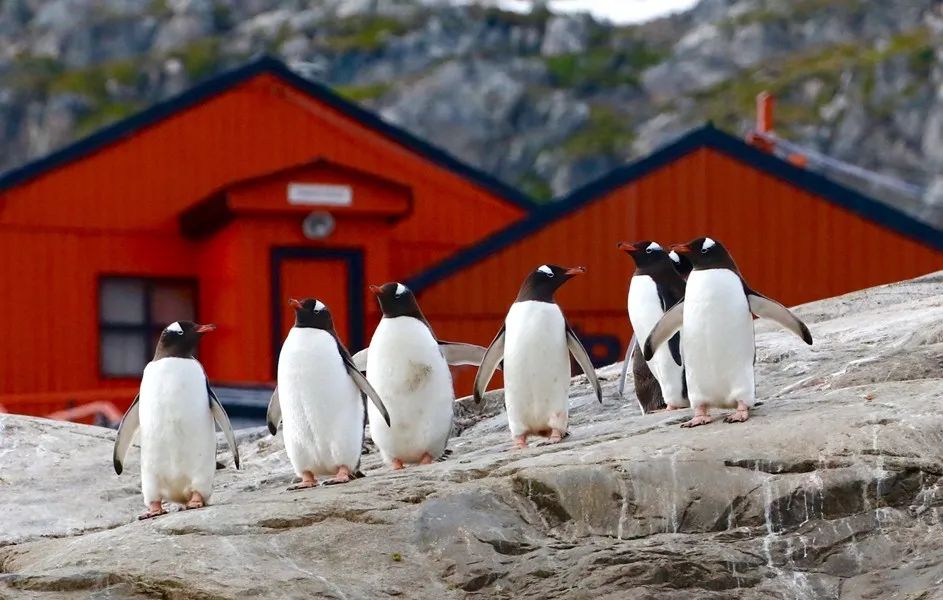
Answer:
(320, 194)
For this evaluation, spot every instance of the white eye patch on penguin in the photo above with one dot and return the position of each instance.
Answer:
(545, 270)
(707, 245)
(652, 247)
(175, 328)
(318, 306)
(400, 289)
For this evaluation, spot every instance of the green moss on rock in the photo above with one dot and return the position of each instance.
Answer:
(536, 187)
(607, 132)
(364, 33)
(362, 93)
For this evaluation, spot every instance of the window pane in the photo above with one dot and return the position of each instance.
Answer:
(122, 301)
(171, 303)
(123, 353)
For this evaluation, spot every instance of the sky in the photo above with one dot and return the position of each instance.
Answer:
(617, 11)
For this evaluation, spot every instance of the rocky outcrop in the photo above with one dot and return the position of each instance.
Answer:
(831, 490)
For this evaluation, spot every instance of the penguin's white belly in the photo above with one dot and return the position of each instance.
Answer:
(322, 412)
(717, 337)
(178, 440)
(644, 312)
(536, 368)
(408, 371)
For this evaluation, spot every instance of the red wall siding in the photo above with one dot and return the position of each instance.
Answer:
(116, 212)
(789, 244)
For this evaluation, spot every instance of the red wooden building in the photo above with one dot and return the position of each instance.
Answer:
(796, 236)
(195, 209)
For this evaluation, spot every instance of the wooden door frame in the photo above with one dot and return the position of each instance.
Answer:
(355, 286)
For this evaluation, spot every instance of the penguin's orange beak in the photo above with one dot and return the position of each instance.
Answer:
(627, 247)
(575, 271)
(205, 328)
(681, 248)
(294, 303)
(375, 289)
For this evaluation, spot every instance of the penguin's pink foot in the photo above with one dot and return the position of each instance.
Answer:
(670, 407)
(520, 442)
(397, 464)
(154, 509)
(196, 501)
(697, 421)
(556, 436)
(307, 481)
(342, 476)
(740, 415)
(426, 459)
(701, 417)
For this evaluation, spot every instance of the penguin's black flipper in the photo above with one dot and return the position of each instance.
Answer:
(647, 388)
(768, 308)
(629, 352)
(674, 345)
(489, 363)
(126, 430)
(582, 357)
(273, 416)
(220, 416)
(667, 326)
(365, 386)
(458, 354)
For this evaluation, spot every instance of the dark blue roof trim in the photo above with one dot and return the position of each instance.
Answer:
(224, 81)
(705, 136)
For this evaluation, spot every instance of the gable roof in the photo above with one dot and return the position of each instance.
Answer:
(224, 81)
(706, 136)
(213, 212)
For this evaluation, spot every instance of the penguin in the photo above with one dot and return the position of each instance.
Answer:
(682, 264)
(647, 388)
(717, 332)
(175, 410)
(318, 399)
(409, 367)
(535, 343)
(654, 288)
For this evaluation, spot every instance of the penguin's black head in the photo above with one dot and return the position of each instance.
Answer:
(648, 255)
(311, 313)
(396, 300)
(543, 281)
(682, 264)
(179, 339)
(705, 253)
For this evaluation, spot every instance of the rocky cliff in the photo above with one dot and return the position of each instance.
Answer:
(546, 102)
(831, 490)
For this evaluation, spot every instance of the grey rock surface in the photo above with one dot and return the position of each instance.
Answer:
(831, 490)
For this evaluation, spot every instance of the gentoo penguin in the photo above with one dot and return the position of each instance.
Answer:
(409, 367)
(647, 388)
(534, 344)
(717, 331)
(175, 410)
(318, 399)
(682, 264)
(654, 288)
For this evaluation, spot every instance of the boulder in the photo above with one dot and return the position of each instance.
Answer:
(831, 489)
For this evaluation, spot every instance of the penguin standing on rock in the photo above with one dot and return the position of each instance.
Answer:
(655, 287)
(318, 399)
(717, 332)
(535, 344)
(409, 367)
(647, 388)
(175, 410)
